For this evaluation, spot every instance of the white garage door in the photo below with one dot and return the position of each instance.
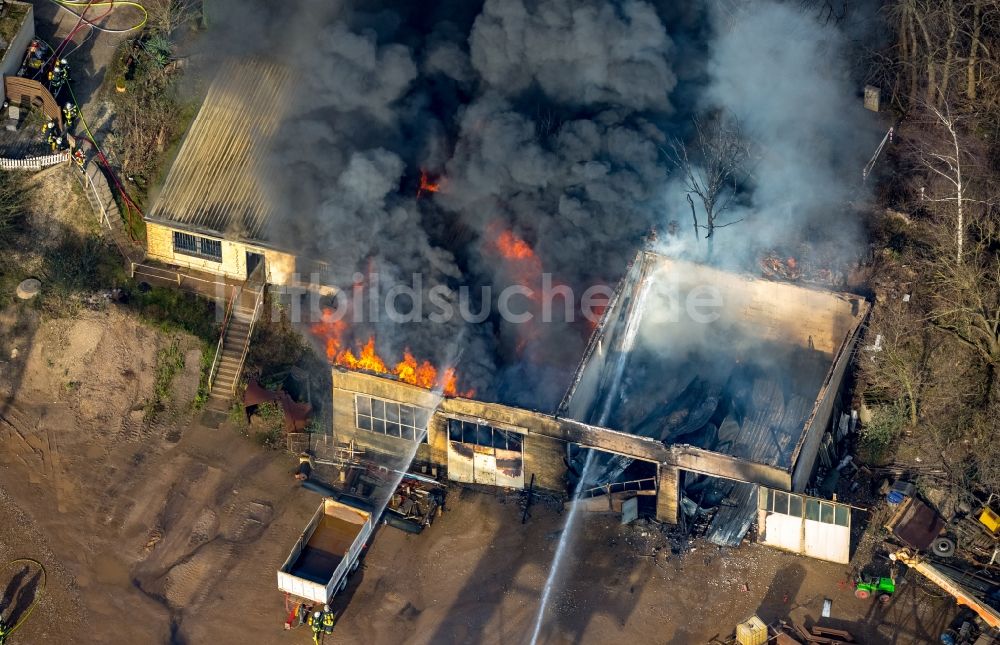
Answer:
(810, 526)
(481, 454)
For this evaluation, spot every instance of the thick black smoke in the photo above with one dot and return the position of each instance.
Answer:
(544, 119)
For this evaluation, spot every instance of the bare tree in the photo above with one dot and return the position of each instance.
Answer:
(965, 300)
(712, 166)
(947, 48)
(952, 160)
(898, 355)
(167, 15)
(945, 161)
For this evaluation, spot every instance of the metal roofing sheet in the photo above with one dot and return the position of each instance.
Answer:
(735, 515)
(213, 185)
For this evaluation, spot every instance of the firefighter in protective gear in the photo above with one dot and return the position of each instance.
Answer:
(328, 619)
(58, 76)
(52, 137)
(316, 622)
(70, 113)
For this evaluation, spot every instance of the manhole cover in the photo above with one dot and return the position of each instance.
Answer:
(28, 289)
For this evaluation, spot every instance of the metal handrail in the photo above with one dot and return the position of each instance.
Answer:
(97, 197)
(107, 221)
(258, 303)
(213, 372)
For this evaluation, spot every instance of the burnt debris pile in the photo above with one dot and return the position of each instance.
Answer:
(755, 410)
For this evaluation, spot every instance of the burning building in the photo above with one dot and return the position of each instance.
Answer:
(705, 381)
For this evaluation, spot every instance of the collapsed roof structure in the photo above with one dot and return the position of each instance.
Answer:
(705, 381)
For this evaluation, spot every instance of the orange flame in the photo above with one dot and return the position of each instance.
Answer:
(513, 248)
(427, 185)
(521, 262)
(409, 370)
(449, 384)
(367, 360)
(524, 268)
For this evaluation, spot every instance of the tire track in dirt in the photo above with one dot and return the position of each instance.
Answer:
(199, 547)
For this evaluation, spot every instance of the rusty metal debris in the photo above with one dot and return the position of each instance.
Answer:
(803, 266)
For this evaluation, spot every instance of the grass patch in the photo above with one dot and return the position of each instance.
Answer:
(267, 429)
(276, 345)
(75, 265)
(135, 226)
(238, 417)
(12, 204)
(169, 361)
(174, 310)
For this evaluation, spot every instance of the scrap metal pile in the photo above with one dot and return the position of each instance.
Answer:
(414, 505)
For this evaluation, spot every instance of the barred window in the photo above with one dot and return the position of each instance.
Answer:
(211, 248)
(199, 246)
(185, 242)
(483, 435)
(390, 418)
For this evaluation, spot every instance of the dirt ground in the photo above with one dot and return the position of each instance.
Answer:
(475, 576)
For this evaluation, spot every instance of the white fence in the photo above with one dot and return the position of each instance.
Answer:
(34, 163)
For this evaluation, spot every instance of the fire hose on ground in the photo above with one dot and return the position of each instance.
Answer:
(5, 629)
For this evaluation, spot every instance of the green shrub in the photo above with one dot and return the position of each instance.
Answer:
(276, 346)
(207, 356)
(272, 419)
(879, 436)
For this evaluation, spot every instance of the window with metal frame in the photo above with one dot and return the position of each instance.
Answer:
(484, 435)
(390, 418)
(776, 501)
(202, 247)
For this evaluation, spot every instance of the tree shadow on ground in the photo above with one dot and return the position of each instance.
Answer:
(780, 596)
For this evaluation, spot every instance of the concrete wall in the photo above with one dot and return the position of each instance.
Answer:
(580, 399)
(804, 456)
(543, 455)
(764, 309)
(14, 54)
(545, 436)
(160, 246)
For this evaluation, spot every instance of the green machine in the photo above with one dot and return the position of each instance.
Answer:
(882, 588)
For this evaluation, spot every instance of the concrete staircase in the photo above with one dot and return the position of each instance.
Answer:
(98, 193)
(234, 344)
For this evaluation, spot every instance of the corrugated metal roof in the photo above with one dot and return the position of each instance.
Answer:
(734, 517)
(213, 185)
